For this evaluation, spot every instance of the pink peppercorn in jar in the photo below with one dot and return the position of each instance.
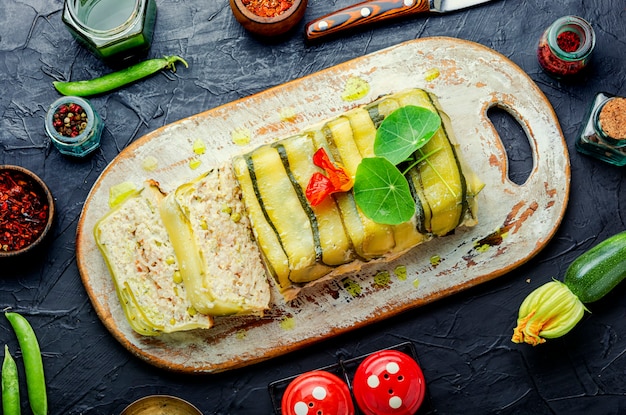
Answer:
(565, 47)
(74, 126)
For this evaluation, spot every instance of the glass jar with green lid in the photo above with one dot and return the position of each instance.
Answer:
(113, 30)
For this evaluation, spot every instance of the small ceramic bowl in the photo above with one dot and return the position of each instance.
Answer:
(269, 26)
(161, 405)
(22, 190)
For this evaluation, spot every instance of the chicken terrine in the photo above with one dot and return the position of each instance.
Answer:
(207, 248)
(144, 267)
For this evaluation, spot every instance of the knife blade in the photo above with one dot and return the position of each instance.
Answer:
(372, 11)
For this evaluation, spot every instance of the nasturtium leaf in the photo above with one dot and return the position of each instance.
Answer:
(404, 131)
(382, 192)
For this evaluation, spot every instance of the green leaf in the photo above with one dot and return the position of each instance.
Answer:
(382, 192)
(404, 131)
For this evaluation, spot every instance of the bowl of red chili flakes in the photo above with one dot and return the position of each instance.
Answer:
(26, 210)
(268, 18)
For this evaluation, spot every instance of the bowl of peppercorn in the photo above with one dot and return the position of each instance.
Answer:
(74, 126)
(268, 18)
(26, 210)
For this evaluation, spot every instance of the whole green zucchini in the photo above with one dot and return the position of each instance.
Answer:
(554, 308)
(596, 272)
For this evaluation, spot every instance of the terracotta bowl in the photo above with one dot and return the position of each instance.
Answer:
(161, 404)
(268, 26)
(25, 178)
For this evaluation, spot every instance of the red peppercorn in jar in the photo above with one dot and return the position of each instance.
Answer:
(565, 47)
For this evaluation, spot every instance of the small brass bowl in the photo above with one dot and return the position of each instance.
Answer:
(20, 179)
(269, 26)
(161, 405)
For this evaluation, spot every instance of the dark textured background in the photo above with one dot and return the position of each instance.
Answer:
(463, 342)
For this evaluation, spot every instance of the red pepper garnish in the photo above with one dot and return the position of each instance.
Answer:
(319, 187)
(336, 179)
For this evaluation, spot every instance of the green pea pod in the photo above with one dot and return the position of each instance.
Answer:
(33, 364)
(118, 79)
(10, 385)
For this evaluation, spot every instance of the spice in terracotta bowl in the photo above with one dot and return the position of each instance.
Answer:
(26, 210)
(268, 8)
(268, 18)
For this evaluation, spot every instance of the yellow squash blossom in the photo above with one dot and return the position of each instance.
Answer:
(550, 311)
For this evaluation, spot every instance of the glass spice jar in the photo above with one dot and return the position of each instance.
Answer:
(565, 47)
(603, 135)
(74, 127)
(113, 30)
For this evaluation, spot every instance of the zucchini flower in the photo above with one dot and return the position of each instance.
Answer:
(550, 311)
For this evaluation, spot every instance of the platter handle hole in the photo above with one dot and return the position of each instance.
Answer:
(514, 137)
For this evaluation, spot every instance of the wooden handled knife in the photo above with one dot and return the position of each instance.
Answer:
(378, 10)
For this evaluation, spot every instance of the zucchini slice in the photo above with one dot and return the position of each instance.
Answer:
(329, 234)
(381, 108)
(470, 180)
(364, 122)
(345, 201)
(363, 130)
(423, 214)
(283, 208)
(273, 253)
(442, 182)
(378, 238)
